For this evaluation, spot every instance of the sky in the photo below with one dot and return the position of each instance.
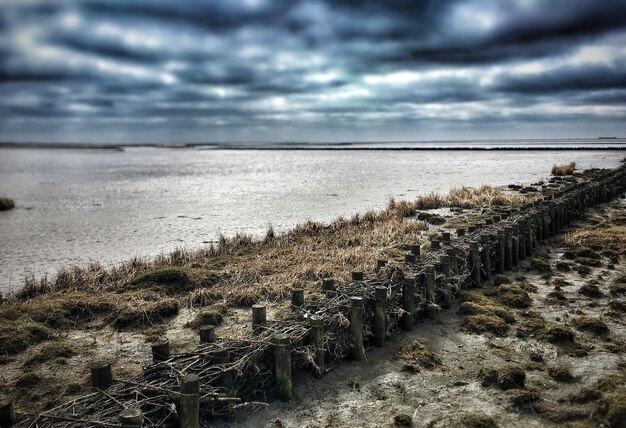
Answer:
(124, 71)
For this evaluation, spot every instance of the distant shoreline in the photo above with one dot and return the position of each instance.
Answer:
(316, 147)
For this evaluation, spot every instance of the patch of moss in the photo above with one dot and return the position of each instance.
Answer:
(522, 398)
(618, 288)
(402, 420)
(507, 376)
(51, 351)
(559, 334)
(17, 336)
(485, 324)
(585, 261)
(171, 280)
(590, 290)
(531, 327)
(617, 305)
(585, 395)
(560, 282)
(563, 267)
(556, 297)
(540, 264)
(512, 296)
(212, 315)
(472, 308)
(616, 412)
(145, 313)
(561, 373)
(417, 352)
(501, 279)
(527, 286)
(477, 420)
(592, 325)
(583, 270)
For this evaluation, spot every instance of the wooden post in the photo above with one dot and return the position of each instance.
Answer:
(435, 244)
(356, 328)
(297, 297)
(475, 257)
(500, 253)
(380, 264)
(444, 260)
(207, 334)
(546, 224)
(328, 284)
(508, 248)
(282, 354)
(317, 337)
(160, 350)
(489, 221)
(259, 317)
(485, 256)
(445, 236)
(522, 240)
(131, 417)
(460, 232)
(416, 250)
(430, 287)
(409, 258)
(496, 218)
(221, 356)
(515, 244)
(189, 404)
(530, 228)
(408, 303)
(357, 276)
(380, 328)
(471, 229)
(101, 375)
(454, 265)
(7, 414)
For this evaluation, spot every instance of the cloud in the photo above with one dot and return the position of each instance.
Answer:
(267, 69)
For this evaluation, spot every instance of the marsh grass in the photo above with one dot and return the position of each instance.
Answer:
(567, 169)
(6, 204)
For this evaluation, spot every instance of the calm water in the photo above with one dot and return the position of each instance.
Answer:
(80, 205)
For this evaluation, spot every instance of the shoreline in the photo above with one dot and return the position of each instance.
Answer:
(198, 284)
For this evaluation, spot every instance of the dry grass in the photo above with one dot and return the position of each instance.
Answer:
(484, 196)
(567, 169)
(6, 204)
(607, 234)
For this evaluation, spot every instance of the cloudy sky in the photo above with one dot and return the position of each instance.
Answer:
(319, 70)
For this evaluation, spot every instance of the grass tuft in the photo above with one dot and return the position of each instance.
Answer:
(561, 170)
(6, 204)
(592, 325)
(416, 352)
(505, 377)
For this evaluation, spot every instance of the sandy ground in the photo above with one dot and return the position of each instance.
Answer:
(373, 393)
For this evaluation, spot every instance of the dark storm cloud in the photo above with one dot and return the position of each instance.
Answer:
(259, 68)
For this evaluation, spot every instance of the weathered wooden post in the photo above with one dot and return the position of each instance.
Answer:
(380, 328)
(297, 297)
(435, 244)
(471, 228)
(431, 291)
(380, 264)
(500, 252)
(485, 256)
(409, 258)
(444, 260)
(522, 240)
(317, 337)
(515, 244)
(189, 402)
(160, 350)
(207, 333)
(259, 317)
(416, 250)
(8, 418)
(221, 357)
(101, 375)
(445, 236)
(508, 248)
(546, 224)
(328, 284)
(408, 303)
(475, 259)
(131, 417)
(530, 230)
(454, 264)
(357, 276)
(282, 354)
(460, 232)
(356, 328)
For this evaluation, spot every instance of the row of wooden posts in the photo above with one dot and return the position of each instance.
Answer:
(514, 234)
